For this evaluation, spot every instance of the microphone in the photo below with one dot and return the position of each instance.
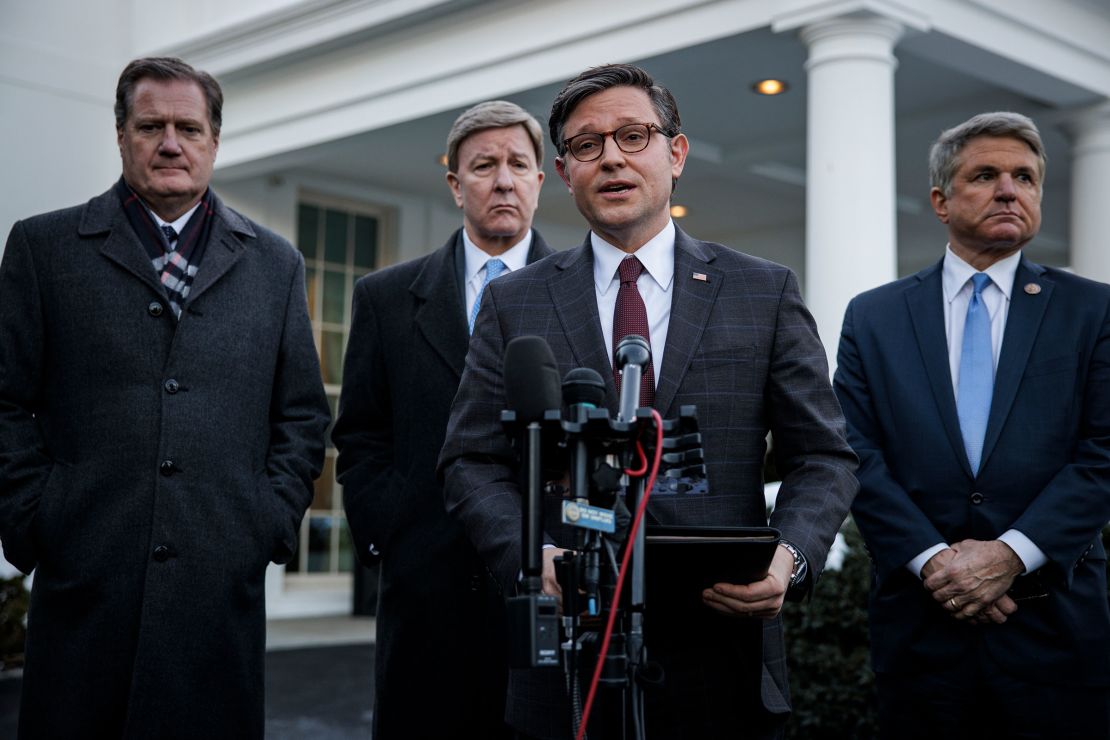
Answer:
(531, 378)
(631, 357)
(583, 388)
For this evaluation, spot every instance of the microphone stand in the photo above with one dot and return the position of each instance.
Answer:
(632, 355)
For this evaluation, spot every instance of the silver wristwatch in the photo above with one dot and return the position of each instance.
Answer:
(800, 567)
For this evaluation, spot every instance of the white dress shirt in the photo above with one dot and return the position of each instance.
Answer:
(655, 284)
(514, 258)
(956, 283)
(177, 224)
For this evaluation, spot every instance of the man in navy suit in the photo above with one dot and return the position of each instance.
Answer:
(977, 394)
(440, 625)
(729, 333)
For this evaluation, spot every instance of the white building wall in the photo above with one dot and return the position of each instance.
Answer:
(59, 62)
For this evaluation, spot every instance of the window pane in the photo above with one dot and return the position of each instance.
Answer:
(310, 291)
(325, 485)
(335, 297)
(331, 357)
(346, 549)
(308, 222)
(319, 544)
(335, 236)
(333, 404)
(366, 242)
(294, 565)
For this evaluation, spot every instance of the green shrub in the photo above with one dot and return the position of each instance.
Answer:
(14, 601)
(831, 684)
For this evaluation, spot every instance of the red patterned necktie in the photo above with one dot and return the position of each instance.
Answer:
(630, 317)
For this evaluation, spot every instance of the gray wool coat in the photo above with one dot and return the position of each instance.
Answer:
(150, 469)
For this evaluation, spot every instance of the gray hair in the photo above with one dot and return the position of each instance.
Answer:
(165, 69)
(944, 155)
(598, 79)
(492, 114)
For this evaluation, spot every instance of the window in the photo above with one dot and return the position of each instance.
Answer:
(340, 242)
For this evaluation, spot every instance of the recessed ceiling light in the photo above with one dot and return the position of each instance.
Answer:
(678, 211)
(770, 87)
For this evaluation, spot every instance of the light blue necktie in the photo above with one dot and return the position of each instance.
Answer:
(973, 402)
(494, 267)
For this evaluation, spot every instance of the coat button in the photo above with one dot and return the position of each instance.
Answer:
(976, 498)
(161, 553)
(171, 386)
(155, 308)
(167, 468)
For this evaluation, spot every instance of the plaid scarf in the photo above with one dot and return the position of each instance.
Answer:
(176, 266)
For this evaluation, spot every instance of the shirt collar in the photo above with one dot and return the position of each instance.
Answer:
(515, 257)
(178, 224)
(955, 273)
(657, 257)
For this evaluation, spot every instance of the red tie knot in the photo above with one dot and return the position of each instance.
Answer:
(630, 269)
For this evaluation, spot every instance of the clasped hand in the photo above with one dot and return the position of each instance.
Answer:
(970, 580)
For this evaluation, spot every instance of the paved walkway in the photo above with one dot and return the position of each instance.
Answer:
(319, 680)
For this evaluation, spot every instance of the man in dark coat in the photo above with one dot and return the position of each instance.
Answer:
(730, 334)
(161, 421)
(977, 394)
(440, 627)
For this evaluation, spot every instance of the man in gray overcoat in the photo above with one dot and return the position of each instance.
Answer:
(162, 418)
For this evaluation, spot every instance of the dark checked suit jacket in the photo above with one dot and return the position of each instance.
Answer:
(438, 623)
(742, 347)
(1045, 469)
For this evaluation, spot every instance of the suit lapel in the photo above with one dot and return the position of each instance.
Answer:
(440, 312)
(691, 304)
(575, 300)
(925, 302)
(104, 214)
(224, 249)
(1022, 324)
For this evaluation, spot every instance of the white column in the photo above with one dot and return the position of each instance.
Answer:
(1090, 190)
(850, 189)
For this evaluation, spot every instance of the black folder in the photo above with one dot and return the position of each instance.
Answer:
(680, 561)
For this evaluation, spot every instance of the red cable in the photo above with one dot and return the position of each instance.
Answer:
(624, 565)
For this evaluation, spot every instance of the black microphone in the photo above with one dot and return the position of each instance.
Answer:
(531, 378)
(583, 388)
(631, 358)
(531, 388)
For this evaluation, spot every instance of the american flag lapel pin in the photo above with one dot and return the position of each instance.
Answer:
(701, 276)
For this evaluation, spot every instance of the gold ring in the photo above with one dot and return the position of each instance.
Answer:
(953, 604)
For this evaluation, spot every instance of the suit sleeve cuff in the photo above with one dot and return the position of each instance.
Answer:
(918, 563)
(1031, 556)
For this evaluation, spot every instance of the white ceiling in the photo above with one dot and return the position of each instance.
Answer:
(744, 182)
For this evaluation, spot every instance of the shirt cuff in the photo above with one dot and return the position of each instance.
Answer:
(918, 563)
(1031, 556)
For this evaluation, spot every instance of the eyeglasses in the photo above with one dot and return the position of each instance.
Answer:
(629, 139)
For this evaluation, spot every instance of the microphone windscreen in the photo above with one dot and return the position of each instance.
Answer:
(531, 378)
(583, 385)
(632, 349)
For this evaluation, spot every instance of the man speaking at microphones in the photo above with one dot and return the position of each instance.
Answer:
(728, 333)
